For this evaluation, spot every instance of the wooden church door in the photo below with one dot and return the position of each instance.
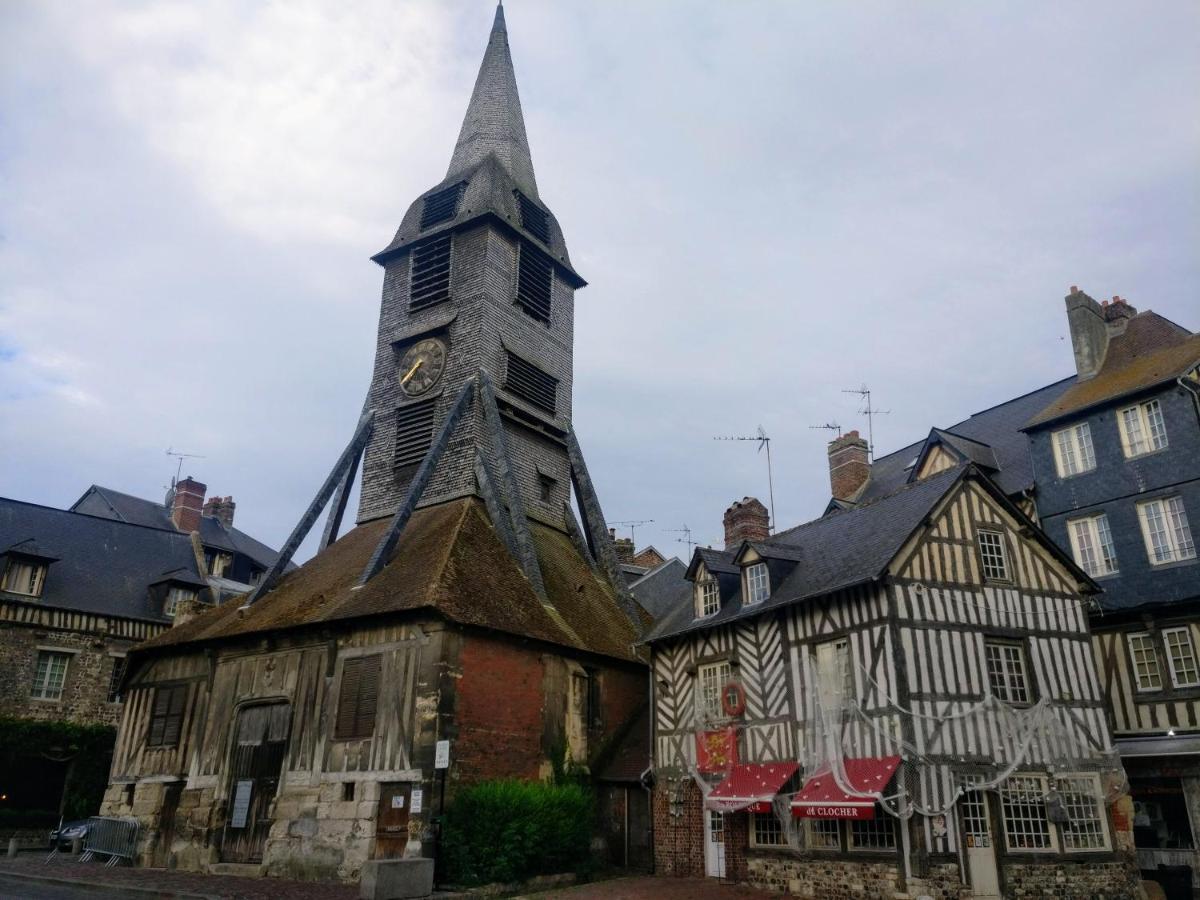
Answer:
(260, 742)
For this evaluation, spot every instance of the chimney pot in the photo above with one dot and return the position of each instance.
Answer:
(746, 520)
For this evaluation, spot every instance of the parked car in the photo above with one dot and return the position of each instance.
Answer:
(62, 836)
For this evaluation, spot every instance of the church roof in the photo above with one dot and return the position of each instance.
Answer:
(449, 561)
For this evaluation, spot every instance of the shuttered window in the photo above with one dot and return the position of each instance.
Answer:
(430, 277)
(530, 383)
(442, 206)
(166, 716)
(414, 432)
(357, 698)
(534, 278)
(533, 218)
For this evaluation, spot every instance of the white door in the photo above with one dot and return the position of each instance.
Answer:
(714, 844)
(981, 854)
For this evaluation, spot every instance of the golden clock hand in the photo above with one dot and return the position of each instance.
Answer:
(411, 372)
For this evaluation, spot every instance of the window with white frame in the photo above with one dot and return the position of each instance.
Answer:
(1023, 803)
(1142, 428)
(1181, 656)
(766, 830)
(24, 576)
(824, 834)
(1092, 545)
(993, 556)
(1007, 671)
(175, 596)
(114, 680)
(758, 583)
(50, 675)
(1146, 672)
(1166, 531)
(712, 677)
(708, 596)
(1073, 451)
(873, 834)
(1084, 829)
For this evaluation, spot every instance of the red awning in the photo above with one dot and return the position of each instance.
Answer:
(750, 786)
(821, 798)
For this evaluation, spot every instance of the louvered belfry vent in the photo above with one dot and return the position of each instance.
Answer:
(430, 273)
(534, 278)
(530, 383)
(533, 218)
(414, 432)
(442, 206)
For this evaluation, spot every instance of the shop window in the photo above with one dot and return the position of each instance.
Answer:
(1023, 802)
(824, 834)
(1085, 827)
(1160, 814)
(766, 830)
(873, 834)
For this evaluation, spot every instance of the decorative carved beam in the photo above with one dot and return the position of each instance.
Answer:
(526, 554)
(353, 450)
(417, 487)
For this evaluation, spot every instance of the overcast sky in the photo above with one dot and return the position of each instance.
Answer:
(772, 202)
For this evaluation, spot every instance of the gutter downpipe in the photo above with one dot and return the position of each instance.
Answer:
(650, 769)
(1193, 390)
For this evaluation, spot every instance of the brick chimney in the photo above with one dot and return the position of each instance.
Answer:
(188, 504)
(849, 465)
(220, 508)
(746, 520)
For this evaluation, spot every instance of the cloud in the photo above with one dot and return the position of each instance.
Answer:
(771, 202)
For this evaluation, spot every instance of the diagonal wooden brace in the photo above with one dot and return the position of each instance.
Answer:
(337, 507)
(348, 458)
(384, 550)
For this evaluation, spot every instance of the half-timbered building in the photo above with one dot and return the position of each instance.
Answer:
(896, 698)
(469, 627)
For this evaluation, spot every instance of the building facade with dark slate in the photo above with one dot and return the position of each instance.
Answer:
(296, 732)
(896, 699)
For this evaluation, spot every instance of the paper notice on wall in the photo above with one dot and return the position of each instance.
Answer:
(241, 803)
(418, 798)
(441, 755)
(398, 801)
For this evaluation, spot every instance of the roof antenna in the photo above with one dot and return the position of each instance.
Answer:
(763, 441)
(870, 412)
(829, 426)
(633, 524)
(181, 456)
(686, 539)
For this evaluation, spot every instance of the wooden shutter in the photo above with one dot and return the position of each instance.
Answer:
(173, 724)
(348, 699)
(368, 694)
(158, 716)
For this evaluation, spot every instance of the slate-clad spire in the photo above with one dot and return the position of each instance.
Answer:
(494, 123)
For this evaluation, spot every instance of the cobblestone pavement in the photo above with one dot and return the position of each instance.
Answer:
(66, 878)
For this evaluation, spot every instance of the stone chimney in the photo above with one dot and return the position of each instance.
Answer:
(849, 465)
(746, 520)
(188, 504)
(1089, 332)
(221, 508)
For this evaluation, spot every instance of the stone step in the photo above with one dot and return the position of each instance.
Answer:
(245, 870)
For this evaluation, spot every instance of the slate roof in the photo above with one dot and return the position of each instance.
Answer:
(213, 533)
(971, 450)
(1152, 350)
(837, 551)
(718, 562)
(103, 566)
(998, 427)
(448, 561)
(663, 588)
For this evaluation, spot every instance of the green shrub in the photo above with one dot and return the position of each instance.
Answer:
(512, 830)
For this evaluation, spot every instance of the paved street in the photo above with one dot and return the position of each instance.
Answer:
(66, 879)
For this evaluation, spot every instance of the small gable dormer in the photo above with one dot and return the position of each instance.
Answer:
(714, 579)
(944, 450)
(175, 589)
(23, 568)
(763, 567)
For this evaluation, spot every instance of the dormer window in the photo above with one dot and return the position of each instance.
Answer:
(24, 575)
(708, 596)
(176, 596)
(758, 583)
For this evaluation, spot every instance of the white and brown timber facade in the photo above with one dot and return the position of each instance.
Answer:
(966, 657)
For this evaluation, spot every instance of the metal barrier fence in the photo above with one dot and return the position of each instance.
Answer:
(111, 837)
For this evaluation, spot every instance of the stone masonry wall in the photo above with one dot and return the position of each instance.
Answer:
(836, 878)
(89, 672)
(1072, 880)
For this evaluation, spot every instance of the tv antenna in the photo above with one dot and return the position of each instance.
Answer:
(829, 426)
(632, 525)
(763, 441)
(870, 412)
(686, 539)
(181, 456)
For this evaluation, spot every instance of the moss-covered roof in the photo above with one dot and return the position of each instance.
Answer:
(449, 560)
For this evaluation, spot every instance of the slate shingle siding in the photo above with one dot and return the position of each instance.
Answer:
(1117, 485)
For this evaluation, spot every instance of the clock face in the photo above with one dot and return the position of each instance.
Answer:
(422, 366)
